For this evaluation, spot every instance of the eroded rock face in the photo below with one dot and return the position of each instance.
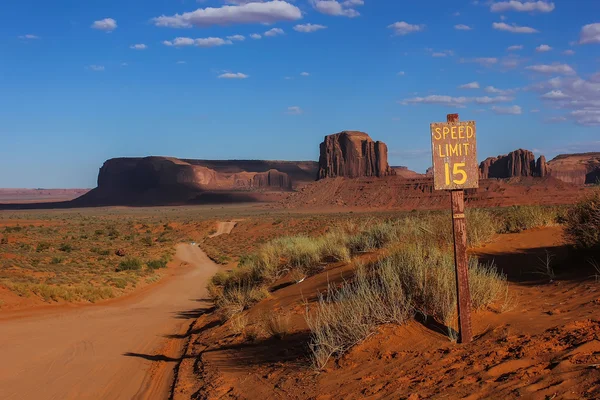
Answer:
(579, 169)
(353, 154)
(519, 163)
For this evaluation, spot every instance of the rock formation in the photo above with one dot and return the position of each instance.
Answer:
(579, 169)
(352, 154)
(519, 163)
(541, 167)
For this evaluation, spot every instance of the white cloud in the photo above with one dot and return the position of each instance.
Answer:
(29, 37)
(462, 27)
(590, 34)
(568, 52)
(255, 36)
(523, 6)
(202, 42)
(562, 69)
(238, 38)
(294, 110)
(180, 62)
(461, 101)
(580, 96)
(492, 100)
(514, 28)
(401, 73)
(515, 47)
(139, 46)
(124, 64)
(556, 119)
(268, 12)
(555, 95)
(437, 99)
(511, 110)
(494, 90)
(308, 28)
(106, 24)
(274, 32)
(471, 85)
(232, 75)
(96, 68)
(456, 14)
(483, 61)
(353, 3)
(333, 7)
(404, 28)
(543, 48)
(304, 74)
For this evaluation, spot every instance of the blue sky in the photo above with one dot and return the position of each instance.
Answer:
(84, 81)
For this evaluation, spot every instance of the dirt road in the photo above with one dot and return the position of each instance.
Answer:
(105, 351)
(224, 228)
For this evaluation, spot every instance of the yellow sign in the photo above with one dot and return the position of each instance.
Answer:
(454, 148)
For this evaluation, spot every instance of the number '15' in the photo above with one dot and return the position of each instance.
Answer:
(457, 169)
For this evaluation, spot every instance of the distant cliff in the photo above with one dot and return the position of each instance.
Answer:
(579, 169)
(168, 180)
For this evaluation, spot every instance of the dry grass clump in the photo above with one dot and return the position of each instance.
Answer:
(519, 218)
(276, 325)
(583, 223)
(298, 256)
(301, 256)
(82, 292)
(413, 279)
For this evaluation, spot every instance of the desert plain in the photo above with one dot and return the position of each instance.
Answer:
(197, 279)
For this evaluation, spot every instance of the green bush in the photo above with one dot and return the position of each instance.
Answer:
(42, 246)
(67, 248)
(583, 223)
(130, 264)
(157, 264)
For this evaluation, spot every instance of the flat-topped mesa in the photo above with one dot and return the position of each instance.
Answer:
(353, 154)
(140, 174)
(519, 163)
(578, 169)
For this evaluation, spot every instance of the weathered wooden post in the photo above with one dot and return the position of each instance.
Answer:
(454, 151)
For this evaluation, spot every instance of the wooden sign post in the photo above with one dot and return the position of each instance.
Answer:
(454, 146)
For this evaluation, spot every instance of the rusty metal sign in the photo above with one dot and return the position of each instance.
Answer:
(454, 146)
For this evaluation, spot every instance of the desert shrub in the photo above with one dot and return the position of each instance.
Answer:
(276, 325)
(334, 246)
(118, 282)
(519, 218)
(4, 240)
(48, 292)
(481, 226)
(42, 246)
(374, 237)
(65, 247)
(157, 264)
(130, 264)
(147, 240)
(56, 260)
(413, 279)
(113, 232)
(99, 251)
(235, 300)
(10, 229)
(583, 223)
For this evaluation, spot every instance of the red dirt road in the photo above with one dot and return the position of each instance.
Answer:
(105, 351)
